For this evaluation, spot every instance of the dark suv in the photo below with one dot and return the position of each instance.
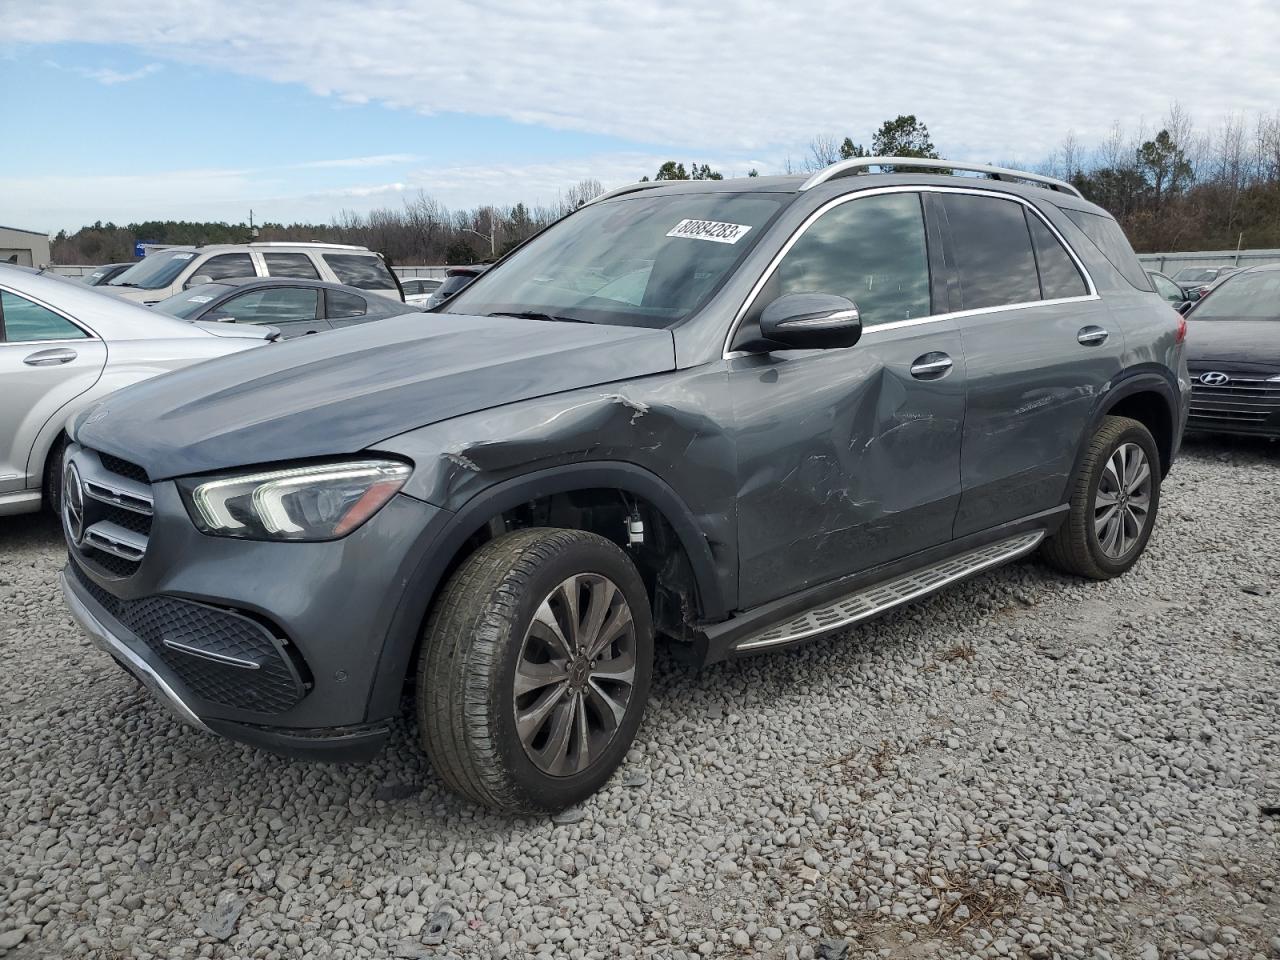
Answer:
(739, 413)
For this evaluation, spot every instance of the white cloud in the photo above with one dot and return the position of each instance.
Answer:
(991, 80)
(109, 76)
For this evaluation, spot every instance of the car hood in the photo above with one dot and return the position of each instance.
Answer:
(343, 391)
(1246, 341)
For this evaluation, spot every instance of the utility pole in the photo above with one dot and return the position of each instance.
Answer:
(253, 231)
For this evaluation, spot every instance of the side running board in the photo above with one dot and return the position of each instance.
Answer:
(879, 597)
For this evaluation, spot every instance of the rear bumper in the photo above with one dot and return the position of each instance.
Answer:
(334, 744)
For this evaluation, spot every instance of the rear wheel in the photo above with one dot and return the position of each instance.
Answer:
(1114, 501)
(535, 669)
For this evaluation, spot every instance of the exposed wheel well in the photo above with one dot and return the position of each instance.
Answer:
(1151, 410)
(660, 557)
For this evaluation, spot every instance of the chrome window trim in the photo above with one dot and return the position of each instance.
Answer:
(831, 204)
(88, 333)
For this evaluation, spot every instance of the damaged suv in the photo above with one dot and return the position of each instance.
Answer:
(737, 414)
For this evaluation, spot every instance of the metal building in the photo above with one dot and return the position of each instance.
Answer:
(30, 248)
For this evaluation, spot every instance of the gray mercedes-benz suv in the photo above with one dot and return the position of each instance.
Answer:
(739, 414)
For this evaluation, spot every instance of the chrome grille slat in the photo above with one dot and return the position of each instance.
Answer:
(114, 539)
(118, 510)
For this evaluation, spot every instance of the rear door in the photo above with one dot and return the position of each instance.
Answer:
(1040, 348)
(46, 361)
(296, 265)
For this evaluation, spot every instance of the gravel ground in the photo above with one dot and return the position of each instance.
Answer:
(1025, 765)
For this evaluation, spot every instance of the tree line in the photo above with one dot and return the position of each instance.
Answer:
(1174, 188)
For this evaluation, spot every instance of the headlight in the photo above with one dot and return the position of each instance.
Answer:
(320, 502)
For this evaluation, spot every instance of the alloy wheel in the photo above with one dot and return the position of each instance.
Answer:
(575, 674)
(1122, 505)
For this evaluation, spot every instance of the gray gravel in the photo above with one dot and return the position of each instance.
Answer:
(1025, 766)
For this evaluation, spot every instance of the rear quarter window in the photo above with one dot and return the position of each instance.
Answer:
(1105, 234)
(367, 272)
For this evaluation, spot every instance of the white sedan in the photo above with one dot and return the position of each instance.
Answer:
(64, 346)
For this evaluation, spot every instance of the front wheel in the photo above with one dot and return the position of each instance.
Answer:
(535, 669)
(1114, 501)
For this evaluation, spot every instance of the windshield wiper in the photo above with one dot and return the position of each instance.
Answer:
(534, 315)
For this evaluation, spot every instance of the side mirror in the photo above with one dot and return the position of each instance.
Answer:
(811, 321)
(1184, 306)
(196, 281)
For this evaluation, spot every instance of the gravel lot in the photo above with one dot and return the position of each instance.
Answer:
(1025, 765)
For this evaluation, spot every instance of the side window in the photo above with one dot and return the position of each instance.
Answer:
(870, 250)
(273, 305)
(225, 265)
(1167, 288)
(296, 265)
(365, 271)
(342, 304)
(1059, 276)
(22, 321)
(992, 247)
(1105, 234)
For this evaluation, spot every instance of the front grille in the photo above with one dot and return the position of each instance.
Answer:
(202, 632)
(1244, 399)
(117, 504)
(124, 468)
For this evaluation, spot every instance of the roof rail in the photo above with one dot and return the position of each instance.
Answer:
(304, 243)
(856, 165)
(629, 188)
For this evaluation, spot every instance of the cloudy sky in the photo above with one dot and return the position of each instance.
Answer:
(123, 110)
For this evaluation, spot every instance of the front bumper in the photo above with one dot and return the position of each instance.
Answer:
(352, 743)
(288, 646)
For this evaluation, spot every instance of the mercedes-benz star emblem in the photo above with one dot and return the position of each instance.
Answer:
(1214, 379)
(73, 503)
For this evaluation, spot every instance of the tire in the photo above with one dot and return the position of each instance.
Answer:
(1079, 547)
(52, 487)
(481, 637)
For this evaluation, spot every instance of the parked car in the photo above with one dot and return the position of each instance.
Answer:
(106, 273)
(1168, 289)
(294, 307)
(1233, 355)
(833, 395)
(418, 290)
(165, 272)
(455, 279)
(1196, 281)
(62, 348)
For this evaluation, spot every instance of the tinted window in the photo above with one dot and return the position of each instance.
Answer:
(871, 251)
(343, 304)
(271, 305)
(1105, 234)
(297, 265)
(1059, 276)
(992, 248)
(226, 265)
(25, 321)
(366, 272)
(453, 283)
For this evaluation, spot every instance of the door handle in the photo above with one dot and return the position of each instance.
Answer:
(50, 358)
(1092, 336)
(931, 366)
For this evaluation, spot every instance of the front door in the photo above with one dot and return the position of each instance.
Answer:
(848, 458)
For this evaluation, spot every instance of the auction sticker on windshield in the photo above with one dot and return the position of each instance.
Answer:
(712, 230)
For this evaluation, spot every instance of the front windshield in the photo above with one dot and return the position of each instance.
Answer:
(188, 303)
(1245, 296)
(155, 271)
(643, 260)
